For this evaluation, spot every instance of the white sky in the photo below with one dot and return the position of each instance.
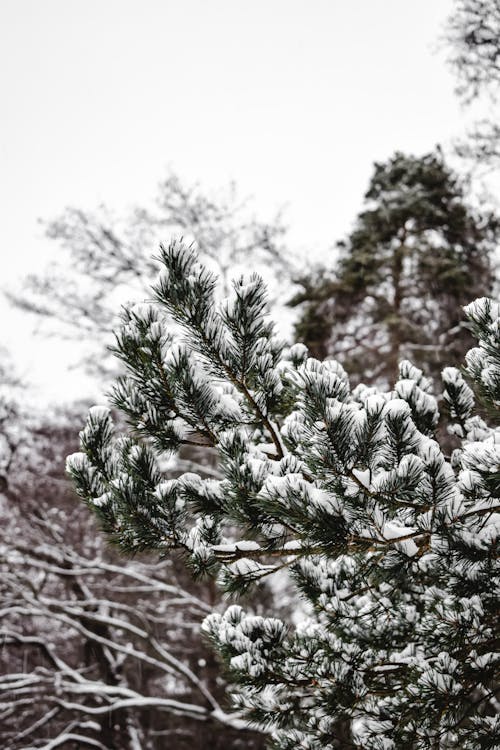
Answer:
(293, 99)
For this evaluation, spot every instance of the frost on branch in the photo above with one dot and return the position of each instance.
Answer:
(391, 541)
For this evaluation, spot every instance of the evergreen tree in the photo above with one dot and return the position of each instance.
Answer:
(390, 541)
(417, 253)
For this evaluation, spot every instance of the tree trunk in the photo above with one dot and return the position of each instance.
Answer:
(395, 315)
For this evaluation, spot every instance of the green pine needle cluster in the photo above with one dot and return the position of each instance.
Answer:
(391, 542)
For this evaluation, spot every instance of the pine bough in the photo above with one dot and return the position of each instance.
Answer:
(390, 542)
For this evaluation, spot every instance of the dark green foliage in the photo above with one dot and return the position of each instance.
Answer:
(391, 542)
(416, 255)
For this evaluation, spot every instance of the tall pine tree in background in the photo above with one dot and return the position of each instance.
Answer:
(416, 255)
(391, 542)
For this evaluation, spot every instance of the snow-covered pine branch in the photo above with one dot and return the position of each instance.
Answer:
(390, 541)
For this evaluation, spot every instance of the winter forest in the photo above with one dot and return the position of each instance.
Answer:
(269, 519)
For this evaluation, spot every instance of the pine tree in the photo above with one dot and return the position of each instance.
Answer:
(391, 542)
(416, 255)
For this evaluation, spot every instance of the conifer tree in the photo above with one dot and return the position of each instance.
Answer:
(391, 543)
(417, 253)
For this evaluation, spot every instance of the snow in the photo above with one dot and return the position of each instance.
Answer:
(228, 408)
(404, 388)
(423, 402)
(487, 503)
(165, 488)
(408, 371)
(453, 376)
(323, 500)
(174, 353)
(298, 352)
(267, 448)
(477, 430)
(245, 566)
(143, 311)
(77, 461)
(247, 546)
(375, 403)
(293, 546)
(102, 500)
(476, 359)
(363, 476)
(397, 408)
(155, 329)
(391, 530)
(468, 480)
(482, 456)
(257, 466)
(480, 307)
(490, 376)
(233, 548)
(279, 486)
(99, 412)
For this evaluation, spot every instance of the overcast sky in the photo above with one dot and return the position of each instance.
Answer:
(293, 99)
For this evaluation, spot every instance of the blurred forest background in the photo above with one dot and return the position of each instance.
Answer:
(102, 652)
